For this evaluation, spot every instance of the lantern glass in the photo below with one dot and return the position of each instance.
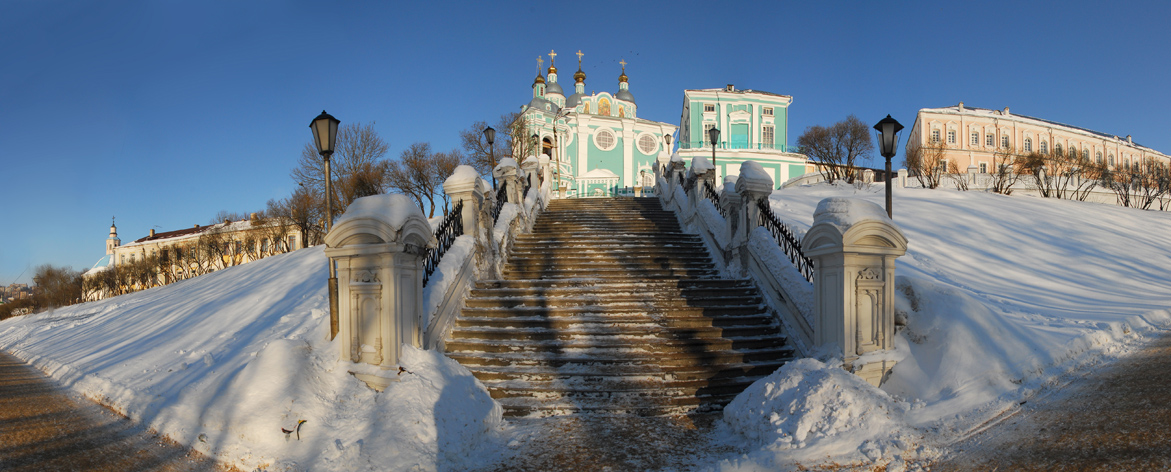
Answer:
(888, 136)
(324, 132)
(490, 135)
(714, 135)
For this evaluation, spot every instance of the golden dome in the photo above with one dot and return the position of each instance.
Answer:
(552, 69)
(579, 76)
(539, 80)
(622, 78)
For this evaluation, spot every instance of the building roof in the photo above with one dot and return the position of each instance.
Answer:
(735, 90)
(1040, 121)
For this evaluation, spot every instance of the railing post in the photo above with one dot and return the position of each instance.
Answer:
(508, 171)
(379, 245)
(902, 180)
(465, 185)
(853, 245)
(753, 184)
(677, 171)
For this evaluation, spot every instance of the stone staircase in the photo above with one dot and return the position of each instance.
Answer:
(608, 308)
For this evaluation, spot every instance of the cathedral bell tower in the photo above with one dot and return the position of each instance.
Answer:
(112, 241)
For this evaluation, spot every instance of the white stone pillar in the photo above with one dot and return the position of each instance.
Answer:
(379, 245)
(902, 180)
(853, 245)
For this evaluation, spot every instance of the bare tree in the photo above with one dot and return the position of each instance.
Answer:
(356, 165)
(838, 148)
(419, 174)
(1004, 170)
(303, 211)
(927, 163)
(513, 139)
(56, 286)
(960, 179)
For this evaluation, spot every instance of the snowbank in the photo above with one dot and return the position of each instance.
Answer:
(222, 362)
(808, 410)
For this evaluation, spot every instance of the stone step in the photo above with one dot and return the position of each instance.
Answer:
(603, 310)
(615, 333)
(613, 346)
(552, 267)
(647, 291)
(645, 388)
(612, 358)
(570, 273)
(604, 286)
(665, 320)
(594, 372)
(615, 300)
(527, 407)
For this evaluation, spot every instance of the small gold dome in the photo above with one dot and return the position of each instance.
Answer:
(552, 69)
(579, 76)
(539, 80)
(622, 78)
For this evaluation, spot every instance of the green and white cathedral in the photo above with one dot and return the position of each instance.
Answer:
(600, 145)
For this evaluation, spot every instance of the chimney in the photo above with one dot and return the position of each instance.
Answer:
(227, 221)
(961, 106)
(1128, 140)
(254, 218)
(196, 225)
(152, 232)
(730, 88)
(1006, 111)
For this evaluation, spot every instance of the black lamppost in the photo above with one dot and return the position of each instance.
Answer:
(667, 139)
(324, 137)
(537, 151)
(714, 135)
(888, 139)
(490, 136)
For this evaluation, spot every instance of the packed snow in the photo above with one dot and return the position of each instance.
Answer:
(999, 299)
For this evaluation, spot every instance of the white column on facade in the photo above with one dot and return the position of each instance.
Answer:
(583, 135)
(627, 153)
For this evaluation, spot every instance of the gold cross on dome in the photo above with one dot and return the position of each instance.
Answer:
(540, 61)
(623, 62)
(579, 54)
(552, 56)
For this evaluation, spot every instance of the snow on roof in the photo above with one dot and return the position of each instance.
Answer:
(967, 110)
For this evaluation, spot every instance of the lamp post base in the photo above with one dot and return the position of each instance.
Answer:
(333, 317)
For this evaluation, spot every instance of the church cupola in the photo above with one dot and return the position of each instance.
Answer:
(539, 82)
(553, 90)
(624, 86)
(578, 84)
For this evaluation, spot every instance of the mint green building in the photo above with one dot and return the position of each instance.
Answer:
(599, 144)
(753, 125)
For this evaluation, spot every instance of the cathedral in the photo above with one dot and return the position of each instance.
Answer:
(597, 141)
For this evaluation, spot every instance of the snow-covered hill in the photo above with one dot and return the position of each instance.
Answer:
(223, 362)
(1003, 296)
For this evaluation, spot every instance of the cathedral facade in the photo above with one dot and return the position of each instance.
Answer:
(598, 143)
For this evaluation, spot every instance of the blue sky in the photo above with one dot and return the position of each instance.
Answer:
(164, 113)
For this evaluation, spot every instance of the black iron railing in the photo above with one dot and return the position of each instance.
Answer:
(528, 184)
(784, 236)
(501, 199)
(712, 195)
(689, 184)
(451, 227)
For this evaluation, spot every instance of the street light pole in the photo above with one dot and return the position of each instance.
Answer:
(324, 137)
(490, 136)
(714, 135)
(888, 140)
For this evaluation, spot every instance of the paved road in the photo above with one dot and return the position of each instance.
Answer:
(45, 427)
(1117, 419)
